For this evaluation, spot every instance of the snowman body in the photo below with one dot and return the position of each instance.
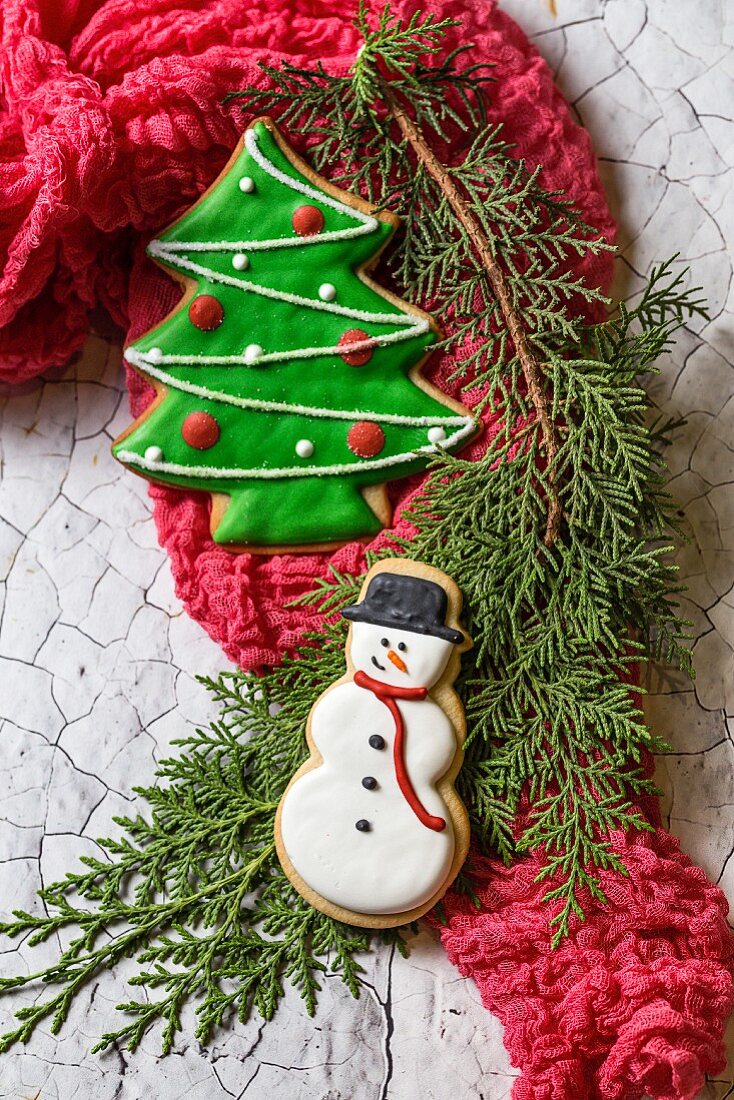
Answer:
(349, 831)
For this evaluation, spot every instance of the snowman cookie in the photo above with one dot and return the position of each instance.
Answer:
(370, 829)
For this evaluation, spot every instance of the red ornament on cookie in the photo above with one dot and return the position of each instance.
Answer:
(355, 358)
(308, 221)
(365, 439)
(200, 430)
(206, 312)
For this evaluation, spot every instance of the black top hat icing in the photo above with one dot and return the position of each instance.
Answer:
(406, 603)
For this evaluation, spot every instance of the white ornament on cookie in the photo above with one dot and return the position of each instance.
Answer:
(436, 435)
(304, 448)
(153, 454)
(253, 352)
(327, 292)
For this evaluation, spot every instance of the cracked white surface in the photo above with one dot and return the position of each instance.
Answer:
(97, 660)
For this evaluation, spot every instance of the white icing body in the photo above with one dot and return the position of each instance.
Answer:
(399, 863)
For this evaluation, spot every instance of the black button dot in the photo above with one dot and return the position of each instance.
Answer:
(363, 825)
(369, 782)
(377, 741)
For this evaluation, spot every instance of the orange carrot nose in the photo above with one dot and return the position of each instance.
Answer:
(397, 661)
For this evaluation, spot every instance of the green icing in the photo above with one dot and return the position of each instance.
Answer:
(311, 499)
(227, 214)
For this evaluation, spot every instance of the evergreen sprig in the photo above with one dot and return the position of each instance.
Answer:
(560, 612)
(194, 890)
(353, 135)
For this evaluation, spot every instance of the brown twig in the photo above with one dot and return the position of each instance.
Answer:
(531, 369)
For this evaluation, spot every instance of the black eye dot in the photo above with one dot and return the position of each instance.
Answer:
(384, 642)
(402, 647)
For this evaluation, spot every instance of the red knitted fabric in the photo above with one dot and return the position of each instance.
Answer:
(110, 125)
(633, 1004)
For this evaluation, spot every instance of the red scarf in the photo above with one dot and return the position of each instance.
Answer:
(387, 695)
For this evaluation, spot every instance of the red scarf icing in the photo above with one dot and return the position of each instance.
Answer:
(387, 694)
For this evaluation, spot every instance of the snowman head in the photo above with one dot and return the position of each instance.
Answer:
(399, 633)
(398, 657)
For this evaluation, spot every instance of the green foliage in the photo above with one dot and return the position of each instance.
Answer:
(555, 755)
(195, 891)
(396, 48)
(354, 138)
(350, 137)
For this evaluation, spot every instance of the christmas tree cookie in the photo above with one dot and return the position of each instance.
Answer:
(288, 383)
(370, 829)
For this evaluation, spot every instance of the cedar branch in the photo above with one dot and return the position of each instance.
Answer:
(531, 369)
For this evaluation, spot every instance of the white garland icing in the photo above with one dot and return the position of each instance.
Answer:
(418, 325)
(265, 246)
(176, 469)
(155, 355)
(297, 410)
